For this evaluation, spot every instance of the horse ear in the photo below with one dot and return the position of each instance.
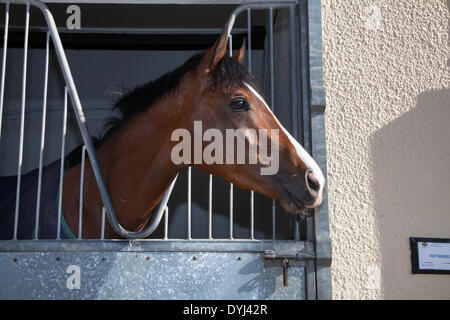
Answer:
(239, 56)
(216, 52)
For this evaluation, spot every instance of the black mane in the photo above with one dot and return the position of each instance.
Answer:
(228, 75)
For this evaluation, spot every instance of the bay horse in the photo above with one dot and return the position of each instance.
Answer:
(135, 153)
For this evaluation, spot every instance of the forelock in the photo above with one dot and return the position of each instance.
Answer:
(229, 75)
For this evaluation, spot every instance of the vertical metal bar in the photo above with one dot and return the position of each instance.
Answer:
(22, 119)
(272, 84)
(249, 39)
(61, 169)
(310, 265)
(189, 235)
(293, 24)
(5, 48)
(80, 207)
(252, 193)
(293, 66)
(273, 220)
(166, 223)
(210, 208)
(297, 228)
(272, 98)
(231, 211)
(252, 215)
(102, 235)
(305, 86)
(230, 47)
(41, 150)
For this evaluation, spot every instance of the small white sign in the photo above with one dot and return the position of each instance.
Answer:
(434, 255)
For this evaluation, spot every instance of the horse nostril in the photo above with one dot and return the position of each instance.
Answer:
(313, 181)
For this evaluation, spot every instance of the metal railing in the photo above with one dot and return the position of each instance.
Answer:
(293, 74)
(71, 91)
(81, 119)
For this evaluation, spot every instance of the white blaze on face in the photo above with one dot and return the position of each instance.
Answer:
(302, 153)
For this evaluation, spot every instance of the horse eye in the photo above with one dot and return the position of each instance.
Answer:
(239, 104)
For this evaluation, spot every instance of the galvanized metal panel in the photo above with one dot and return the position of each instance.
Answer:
(147, 275)
(150, 245)
(322, 228)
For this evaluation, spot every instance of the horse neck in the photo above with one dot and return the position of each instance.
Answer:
(136, 163)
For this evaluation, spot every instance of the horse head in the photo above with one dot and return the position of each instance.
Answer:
(221, 100)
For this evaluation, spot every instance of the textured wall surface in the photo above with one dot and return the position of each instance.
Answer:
(386, 75)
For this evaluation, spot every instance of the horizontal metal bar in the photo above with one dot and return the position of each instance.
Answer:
(296, 255)
(88, 30)
(152, 245)
(157, 1)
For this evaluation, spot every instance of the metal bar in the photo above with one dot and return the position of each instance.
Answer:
(293, 67)
(273, 220)
(230, 52)
(257, 5)
(272, 82)
(102, 235)
(189, 204)
(297, 228)
(252, 215)
(305, 86)
(322, 243)
(80, 207)
(5, 48)
(272, 100)
(43, 124)
(276, 254)
(230, 47)
(293, 25)
(311, 292)
(22, 120)
(155, 245)
(252, 193)
(322, 229)
(207, 2)
(166, 223)
(231, 211)
(126, 31)
(210, 208)
(249, 39)
(61, 169)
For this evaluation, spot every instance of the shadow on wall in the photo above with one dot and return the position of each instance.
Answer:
(411, 161)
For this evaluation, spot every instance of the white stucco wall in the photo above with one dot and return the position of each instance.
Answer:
(386, 75)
